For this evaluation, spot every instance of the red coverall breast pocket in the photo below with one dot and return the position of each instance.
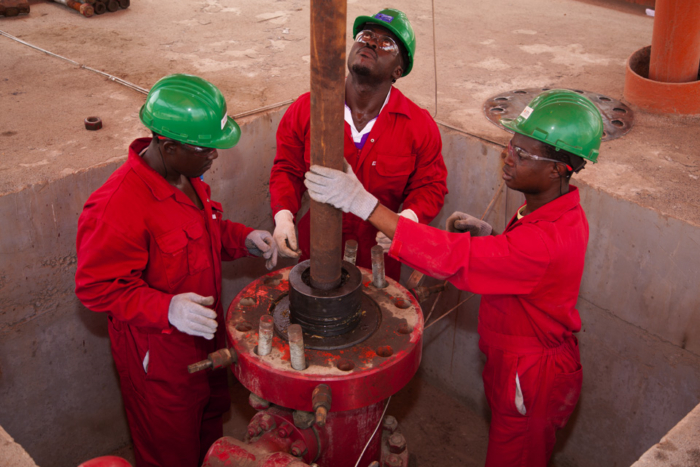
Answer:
(393, 171)
(197, 248)
(564, 395)
(173, 249)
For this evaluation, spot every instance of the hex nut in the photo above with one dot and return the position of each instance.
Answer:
(267, 422)
(298, 448)
(390, 424)
(93, 123)
(393, 460)
(397, 443)
(303, 420)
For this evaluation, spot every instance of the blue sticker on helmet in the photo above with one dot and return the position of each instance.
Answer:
(383, 17)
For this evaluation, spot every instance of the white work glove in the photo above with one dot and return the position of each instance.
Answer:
(460, 222)
(260, 242)
(188, 315)
(340, 189)
(285, 236)
(384, 241)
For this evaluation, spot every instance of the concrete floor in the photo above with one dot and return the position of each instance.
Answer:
(258, 53)
(437, 427)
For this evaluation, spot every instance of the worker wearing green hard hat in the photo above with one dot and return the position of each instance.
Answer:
(393, 145)
(528, 277)
(150, 244)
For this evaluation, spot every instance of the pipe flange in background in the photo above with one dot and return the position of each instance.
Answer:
(618, 118)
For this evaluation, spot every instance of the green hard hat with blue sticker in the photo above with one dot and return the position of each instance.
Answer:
(396, 22)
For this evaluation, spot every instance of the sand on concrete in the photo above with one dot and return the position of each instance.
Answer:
(258, 54)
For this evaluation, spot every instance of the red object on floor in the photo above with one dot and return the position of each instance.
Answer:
(106, 461)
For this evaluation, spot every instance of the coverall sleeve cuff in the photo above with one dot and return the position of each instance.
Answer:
(402, 232)
(166, 327)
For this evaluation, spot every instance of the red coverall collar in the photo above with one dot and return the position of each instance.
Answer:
(551, 211)
(398, 103)
(160, 188)
(155, 181)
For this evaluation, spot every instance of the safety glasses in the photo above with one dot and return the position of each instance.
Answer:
(385, 43)
(198, 150)
(520, 154)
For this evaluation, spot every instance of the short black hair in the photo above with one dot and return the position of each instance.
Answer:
(575, 162)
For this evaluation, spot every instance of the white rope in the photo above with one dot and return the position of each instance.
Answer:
(374, 432)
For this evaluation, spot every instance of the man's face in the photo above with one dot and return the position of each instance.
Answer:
(373, 55)
(525, 174)
(190, 161)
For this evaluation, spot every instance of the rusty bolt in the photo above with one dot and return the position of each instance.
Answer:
(93, 123)
(397, 443)
(390, 424)
(298, 448)
(267, 422)
(285, 430)
(254, 428)
(393, 460)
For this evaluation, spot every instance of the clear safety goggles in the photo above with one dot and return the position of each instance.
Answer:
(520, 154)
(383, 42)
(198, 150)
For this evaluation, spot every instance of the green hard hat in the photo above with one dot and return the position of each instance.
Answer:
(191, 110)
(565, 119)
(396, 22)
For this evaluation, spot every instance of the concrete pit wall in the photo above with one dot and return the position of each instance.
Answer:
(639, 306)
(59, 390)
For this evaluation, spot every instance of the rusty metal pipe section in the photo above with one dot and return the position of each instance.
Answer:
(11, 8)
(675, 43)
(328, 25)
(84, 9)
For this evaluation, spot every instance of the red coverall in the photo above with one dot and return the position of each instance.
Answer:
(140, 242)
(401, 162)
(529, 278)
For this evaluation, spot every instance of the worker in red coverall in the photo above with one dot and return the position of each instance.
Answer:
(393, 146)
(150, 245)
(529, 276)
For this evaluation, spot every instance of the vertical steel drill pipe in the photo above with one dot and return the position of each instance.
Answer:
(675, 43)
(328, 24)
(296, 347)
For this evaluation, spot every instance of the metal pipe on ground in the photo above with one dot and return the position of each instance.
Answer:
(84, 9)
(675, 43)
(10, 8)
(328, 23)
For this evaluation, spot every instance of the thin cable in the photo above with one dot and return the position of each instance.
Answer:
(449, 311)
(486, 212)
(374, 432)
(128, 84)
(435, 62)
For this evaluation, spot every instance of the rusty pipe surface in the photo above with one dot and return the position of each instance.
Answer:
(675, 43)
(84, 9)
(328, 25)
